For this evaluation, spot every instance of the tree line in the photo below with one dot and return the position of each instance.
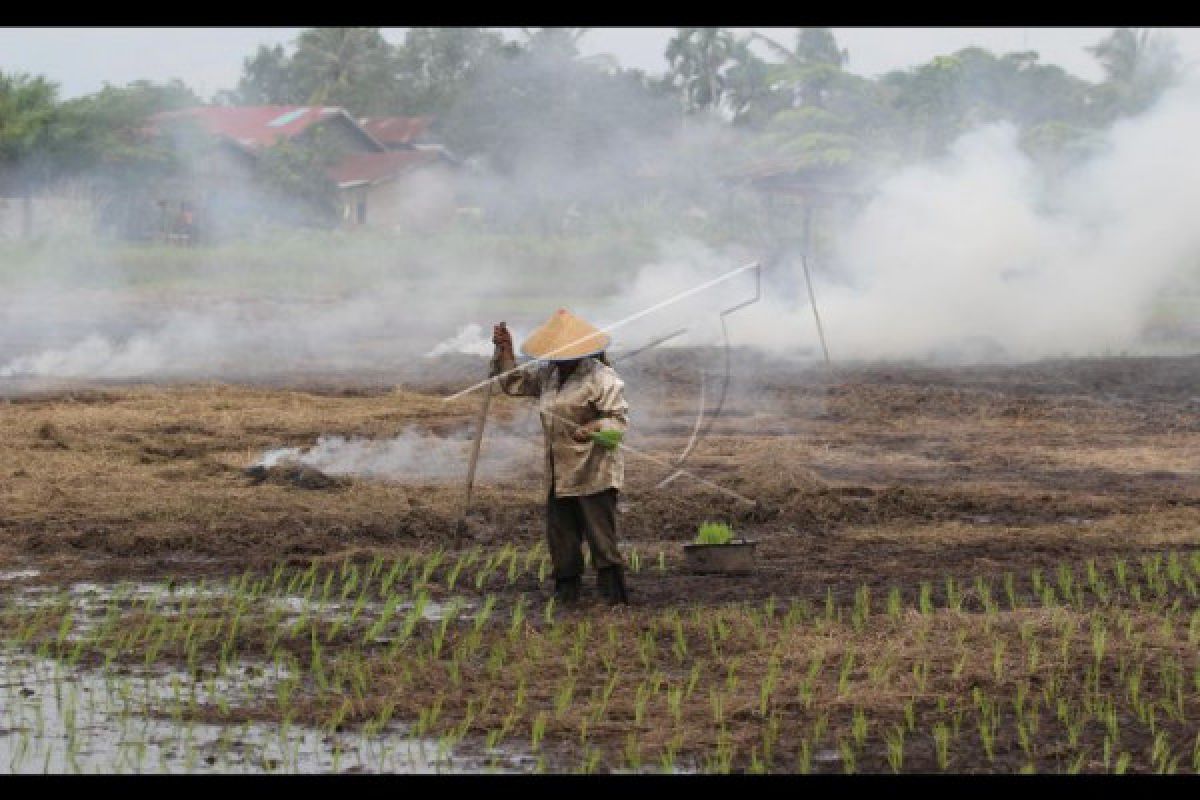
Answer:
(501, 102)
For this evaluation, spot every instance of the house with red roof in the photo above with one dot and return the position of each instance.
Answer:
(387, 172)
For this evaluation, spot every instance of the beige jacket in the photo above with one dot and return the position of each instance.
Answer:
(593, 392)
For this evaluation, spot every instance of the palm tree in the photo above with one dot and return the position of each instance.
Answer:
(563, 40)
(811, 67)
(1138, 64)
(698, 58)
(335, 61)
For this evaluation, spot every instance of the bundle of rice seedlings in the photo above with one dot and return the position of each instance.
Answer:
(608, 439)
(714, 533)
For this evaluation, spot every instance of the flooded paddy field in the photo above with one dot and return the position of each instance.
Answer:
(961, 569)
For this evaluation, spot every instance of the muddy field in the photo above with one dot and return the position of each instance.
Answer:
(909, 488)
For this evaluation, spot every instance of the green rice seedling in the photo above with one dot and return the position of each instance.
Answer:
(953, 594)
(679, 647)
(1066, 582)
(830, 606)
(731, 676)
(1160, 752)
(859, 727)
(998, 660)
(847, 669)
(641, 698)
(538, 731)
(804, 757)
(432, 561)
(633, 751)
(714, 533)
(757, 767)
(662, 562)
(511, 575)
(531, 556)
(960, 640)
(718, 711)
(767, 687)
(518, 617)
(920, 672)
(635, 561)
(894, 738)
(439, 636)
(485, 571)
(647, 649)
(1035, 578)
(983, 588)
(1010, 590)
(849, 760)
(941, 739)
(862, 607)
(1099, 639)
(769, 740)
(1093, 576)
(485, 612)
(1120, 570)
(925, 598)
(452, 575)
(895, 605)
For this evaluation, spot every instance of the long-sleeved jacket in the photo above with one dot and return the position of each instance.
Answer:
(592, 393)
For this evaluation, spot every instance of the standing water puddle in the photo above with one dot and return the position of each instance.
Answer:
(60, 718)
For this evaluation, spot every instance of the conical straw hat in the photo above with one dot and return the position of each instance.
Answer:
(565, 337)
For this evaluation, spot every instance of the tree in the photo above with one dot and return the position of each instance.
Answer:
(436, 65)
(1138, 65)
(110, 145)
(699, 59)
(811, 70)
(354, 68)
(266, 80)
(29, 139)
(350, 67)
(752, 98)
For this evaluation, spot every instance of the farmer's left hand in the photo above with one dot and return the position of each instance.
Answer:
(583, 433)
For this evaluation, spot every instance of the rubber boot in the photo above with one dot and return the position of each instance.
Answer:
(612, 585)
(566, 591)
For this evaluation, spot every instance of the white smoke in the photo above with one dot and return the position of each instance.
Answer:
(979, 251)
(468, 341)
(414, 456)
(94, 356)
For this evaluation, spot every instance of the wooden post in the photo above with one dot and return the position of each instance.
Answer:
(480, 421)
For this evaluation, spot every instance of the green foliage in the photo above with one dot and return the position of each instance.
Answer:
(714, 533)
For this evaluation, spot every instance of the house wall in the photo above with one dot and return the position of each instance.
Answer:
(64, 211)
(422, 199)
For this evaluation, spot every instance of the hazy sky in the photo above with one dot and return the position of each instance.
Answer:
(81, 60)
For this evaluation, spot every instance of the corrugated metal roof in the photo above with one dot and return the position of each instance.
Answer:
(252, 126)
(374, 167)
(396, 130)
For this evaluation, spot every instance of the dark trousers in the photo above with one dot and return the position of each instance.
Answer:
(571, 519)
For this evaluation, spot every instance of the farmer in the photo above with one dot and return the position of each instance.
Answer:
(583, 410)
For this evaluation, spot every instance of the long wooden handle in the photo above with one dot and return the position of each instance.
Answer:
(480, 422)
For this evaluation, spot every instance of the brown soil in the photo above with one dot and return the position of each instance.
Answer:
(884, 474)
(878, 476)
